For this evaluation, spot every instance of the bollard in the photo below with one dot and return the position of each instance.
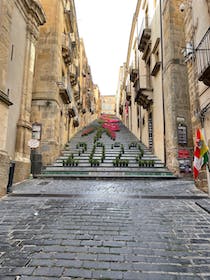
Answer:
(36, 163)
(11, 175)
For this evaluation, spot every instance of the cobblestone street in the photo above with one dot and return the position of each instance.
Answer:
(83, 229)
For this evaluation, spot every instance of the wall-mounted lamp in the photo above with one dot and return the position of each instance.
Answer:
(182, 7)
(185, 4)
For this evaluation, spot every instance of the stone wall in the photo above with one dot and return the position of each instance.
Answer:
(4, 172)
(22, 171)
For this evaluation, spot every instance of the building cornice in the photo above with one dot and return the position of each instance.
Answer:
(32, 9)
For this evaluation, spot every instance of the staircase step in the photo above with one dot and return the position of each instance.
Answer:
(109, 174)
(106, 170)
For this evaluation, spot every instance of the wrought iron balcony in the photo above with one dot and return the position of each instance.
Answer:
(76, 122)
(203, 59)
(156, 68)
(65, 92)
(66, 48)
(76, 91)
(72, 112)
(133, 74)
(73, 39)
(144, 96)
(73, 74)
(144, 34)
(121, 109)
(128, 91)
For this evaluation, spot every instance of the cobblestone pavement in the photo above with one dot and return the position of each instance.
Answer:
(105, 230)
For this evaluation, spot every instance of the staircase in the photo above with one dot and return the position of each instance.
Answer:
(125, 141)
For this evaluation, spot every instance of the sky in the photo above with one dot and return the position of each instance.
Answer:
(105, 28)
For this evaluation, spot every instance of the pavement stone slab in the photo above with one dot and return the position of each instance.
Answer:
(105, 230)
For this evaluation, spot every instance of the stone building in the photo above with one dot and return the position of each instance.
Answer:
(87, 88)
(97, 100)
(154, 89)
(196, 52)
(19, 30)
(108, 104)
(58, 102)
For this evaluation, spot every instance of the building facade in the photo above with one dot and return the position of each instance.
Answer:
(90, 94)
(19, 29)
(46, 88)
(154, 100)
(60, 81)
(108, 104)
(196, 51)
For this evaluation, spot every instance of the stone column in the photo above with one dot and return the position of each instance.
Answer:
(24, 129)
(6, 7)
(22, 151)
(175, 83)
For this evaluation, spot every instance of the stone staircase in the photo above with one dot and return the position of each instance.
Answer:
(106, 169)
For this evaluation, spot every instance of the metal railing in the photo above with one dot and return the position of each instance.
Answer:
(203, 53)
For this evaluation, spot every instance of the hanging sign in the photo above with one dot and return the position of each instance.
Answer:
(33, 143)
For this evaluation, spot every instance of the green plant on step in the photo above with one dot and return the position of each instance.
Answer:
(132, 145)
(151, 163)
(117, 159)
(140, 162)
(99, 144)
(117, 144)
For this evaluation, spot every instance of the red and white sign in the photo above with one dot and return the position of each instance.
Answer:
(33, 143)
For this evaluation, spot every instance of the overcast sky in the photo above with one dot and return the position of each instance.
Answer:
(105, 27)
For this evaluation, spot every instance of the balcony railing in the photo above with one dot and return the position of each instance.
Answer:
(73, 74)
(133, 74)
(66, 48)
(73, 39)
(144, 34)
(203, 59)
(128, 90)
(65, 92)
(76, 90)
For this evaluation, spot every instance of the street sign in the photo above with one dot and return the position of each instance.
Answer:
(33, 143)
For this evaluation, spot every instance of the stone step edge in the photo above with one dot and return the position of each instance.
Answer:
(108, 174)
(104, 169)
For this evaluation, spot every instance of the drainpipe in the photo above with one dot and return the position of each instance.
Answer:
(162, 77)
